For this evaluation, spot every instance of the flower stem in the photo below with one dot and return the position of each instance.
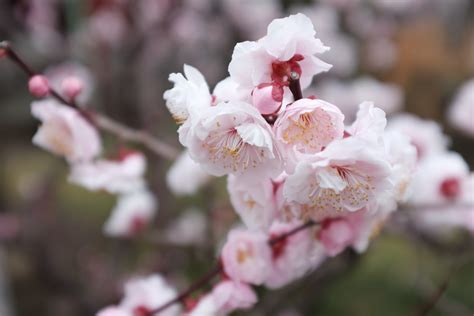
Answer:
(295, 86)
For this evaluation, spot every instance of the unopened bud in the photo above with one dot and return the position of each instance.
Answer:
(38, 86)
(266, 100)
(72, 87)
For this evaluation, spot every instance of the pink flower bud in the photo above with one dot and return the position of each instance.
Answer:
(38, 86)
(72, 86)
(267, 98)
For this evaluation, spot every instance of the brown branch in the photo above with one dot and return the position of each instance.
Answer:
(100, 120)
(203, 281)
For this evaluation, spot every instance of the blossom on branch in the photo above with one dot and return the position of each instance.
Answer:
(64, 131)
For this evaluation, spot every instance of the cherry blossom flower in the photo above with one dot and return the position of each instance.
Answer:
(440, 179)
(232, 138)
(65, 132)
(425, 135)
(113, 176)
(461, 112)
(131, 214)
(289, 47)
(186, 177)
(308, 126)
(189, 94)
(145, 294)
(230, 296)
(370, 124)
(246, 256)
(347, 176)
(255, 202)
(293, 256)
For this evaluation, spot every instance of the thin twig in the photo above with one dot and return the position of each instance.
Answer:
(126, 133)
(100, 120)
(203, 281)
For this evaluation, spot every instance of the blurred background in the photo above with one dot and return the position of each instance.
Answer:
(406, 55)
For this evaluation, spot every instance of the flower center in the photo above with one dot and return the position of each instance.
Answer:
(227, 148)
(450, 188)
(310, 131)
(281, 70)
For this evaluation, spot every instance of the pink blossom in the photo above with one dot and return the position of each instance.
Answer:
(131, 214)
(189, 94)
(246, 256)
(65, 132)
(230, 296)
(146, 294)
(38, 86)
(440, 179)
(186, 177)
(232, 138)
(461, 112)
(114, 176)
(292, 257)
(369, 124)
(350, 174)
(289, 47)
(307, 126)
(425, 135)
(254, 201)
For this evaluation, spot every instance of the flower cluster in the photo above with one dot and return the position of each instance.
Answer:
(442, 181)
(70, 133)
(289, 160)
